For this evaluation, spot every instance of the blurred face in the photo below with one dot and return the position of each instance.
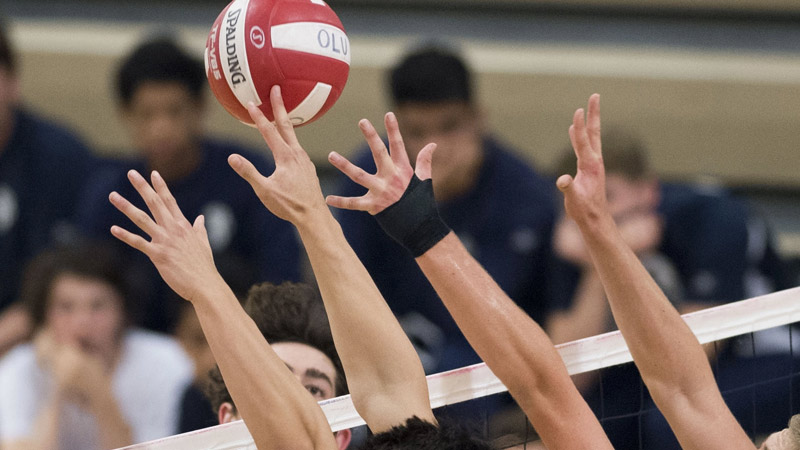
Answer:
(86, 313)
(627, 196)
(164, 122)
(457, 130)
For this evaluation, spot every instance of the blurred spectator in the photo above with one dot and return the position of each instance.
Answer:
(500, 208)
(42, 168)
(703, 247)
(88, 380)
(293, 320)
(161, 94)
(196, 412)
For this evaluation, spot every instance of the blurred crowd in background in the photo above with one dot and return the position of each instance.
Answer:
(97, 352)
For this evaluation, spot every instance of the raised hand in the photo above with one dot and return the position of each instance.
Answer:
(180, 250)
(585, 194)
(293, 190)
(394, 172)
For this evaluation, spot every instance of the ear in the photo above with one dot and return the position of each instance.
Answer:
(227, 413)
(343, 438)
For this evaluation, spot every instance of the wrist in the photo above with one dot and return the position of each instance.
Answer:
(414, 221)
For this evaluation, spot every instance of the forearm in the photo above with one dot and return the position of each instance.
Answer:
(589, 315)
(512, 345)
(114, 429)
(381, 364)
(278, 411)
(665, 350)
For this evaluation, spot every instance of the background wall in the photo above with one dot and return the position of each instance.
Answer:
(713, 86)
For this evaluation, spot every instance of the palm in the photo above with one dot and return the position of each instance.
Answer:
(293, 189)
(394, 170)
(179, 250)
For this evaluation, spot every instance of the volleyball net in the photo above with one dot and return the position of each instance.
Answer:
(746, 321)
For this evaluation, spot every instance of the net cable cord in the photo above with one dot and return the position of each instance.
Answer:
(476, 381)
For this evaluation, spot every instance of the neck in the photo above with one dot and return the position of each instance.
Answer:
(180, 167)
(461, 184)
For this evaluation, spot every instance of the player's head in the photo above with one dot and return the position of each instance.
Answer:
(292, 319)
(630, 182)
(161, 93)
(788, 439)
(417, 434)
(78, 294)
(9, 86)
(433, 99)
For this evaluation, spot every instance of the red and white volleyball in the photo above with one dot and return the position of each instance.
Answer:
(297, 44)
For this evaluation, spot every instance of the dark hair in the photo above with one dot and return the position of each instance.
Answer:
(159, 60)
(8, 58)
(431, 75)
(96, 261)
(417, 434)
(288, 312)
(624, 154)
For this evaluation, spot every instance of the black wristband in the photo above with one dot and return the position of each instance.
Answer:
(414, 221)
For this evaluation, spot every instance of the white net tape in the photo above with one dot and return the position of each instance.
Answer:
(467, 383)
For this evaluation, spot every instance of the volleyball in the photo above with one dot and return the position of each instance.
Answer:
(299, 45)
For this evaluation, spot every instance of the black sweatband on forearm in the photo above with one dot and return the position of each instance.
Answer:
(414, 221)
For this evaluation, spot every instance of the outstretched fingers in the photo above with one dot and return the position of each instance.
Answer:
(154, 203)
(351, 203)
(282, 121)
(140, 218)
(355, 173)
(379, 153)
(396, 145)
(245, 169)
(134, 240)
(593, 122)
(163, 191)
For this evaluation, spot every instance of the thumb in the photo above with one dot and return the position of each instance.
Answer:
(564, 182)
(200, 223)
(244, 169)
(424, 162)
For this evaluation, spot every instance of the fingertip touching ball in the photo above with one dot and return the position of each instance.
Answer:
(299, 45)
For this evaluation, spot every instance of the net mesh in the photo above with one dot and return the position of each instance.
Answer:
(751, 343)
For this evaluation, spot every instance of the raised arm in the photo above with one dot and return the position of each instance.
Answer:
(279, 412)
(384, 374)
(671, 361)
(513, 345)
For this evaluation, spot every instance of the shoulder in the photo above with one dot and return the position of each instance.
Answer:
(702, 204)
(51, 137)
(509, 169)
(152, 344)
(20, 359)
(146, 350)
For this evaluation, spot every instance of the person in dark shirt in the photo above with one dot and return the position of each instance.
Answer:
(42, 171)
(497, 204)
(704, 247)
(161, 93)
